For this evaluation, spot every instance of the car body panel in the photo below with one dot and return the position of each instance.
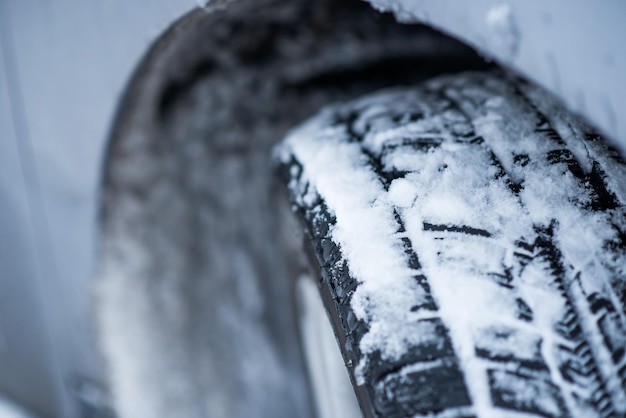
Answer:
(65, 65)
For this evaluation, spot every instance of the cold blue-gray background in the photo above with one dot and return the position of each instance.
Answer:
(63, 67)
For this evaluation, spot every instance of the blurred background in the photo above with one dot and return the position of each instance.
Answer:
(63, 68)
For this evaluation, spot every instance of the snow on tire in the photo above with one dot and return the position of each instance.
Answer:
(471, 239)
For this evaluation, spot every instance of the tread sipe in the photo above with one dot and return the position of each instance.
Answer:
(471, 239)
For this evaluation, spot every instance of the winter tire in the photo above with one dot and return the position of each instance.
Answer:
(192, 294)
(470, 237)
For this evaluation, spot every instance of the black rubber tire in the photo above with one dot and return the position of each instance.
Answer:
(542, 331)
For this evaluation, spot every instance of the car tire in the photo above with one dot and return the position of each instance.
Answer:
(470, 240)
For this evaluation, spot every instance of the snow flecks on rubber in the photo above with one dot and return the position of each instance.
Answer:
(478, 174)
(367, 232)
(402, 193)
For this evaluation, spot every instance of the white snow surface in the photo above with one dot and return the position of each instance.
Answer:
(8, 409)
(505, 33)
(448, 185)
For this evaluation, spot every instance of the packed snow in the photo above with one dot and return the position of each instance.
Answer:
(454, 183)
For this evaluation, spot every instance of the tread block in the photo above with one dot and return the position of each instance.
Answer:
(510, 345)
(434, 345)
(514, 391)
(422, 391)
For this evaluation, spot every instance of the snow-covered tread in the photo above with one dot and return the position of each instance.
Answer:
(471, 235)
